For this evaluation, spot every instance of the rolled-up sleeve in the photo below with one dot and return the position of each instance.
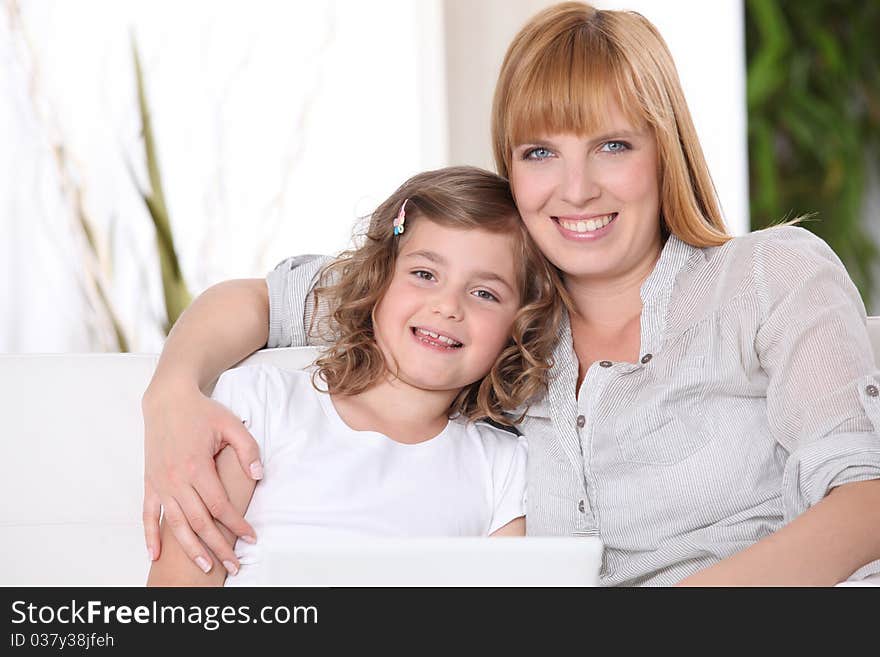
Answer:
(822, 391)
(291, 302)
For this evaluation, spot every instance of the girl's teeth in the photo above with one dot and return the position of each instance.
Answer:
(439, 338)
(587, 226)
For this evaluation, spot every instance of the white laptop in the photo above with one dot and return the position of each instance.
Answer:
(507, 561)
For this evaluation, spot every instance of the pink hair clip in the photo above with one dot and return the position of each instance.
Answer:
(401, 217)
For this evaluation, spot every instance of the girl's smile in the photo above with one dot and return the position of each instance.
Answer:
(436, 340)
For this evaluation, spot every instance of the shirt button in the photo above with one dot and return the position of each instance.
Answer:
(872, 391)
(581, 421)
(581, 506)
(605, 363)
(646, 359)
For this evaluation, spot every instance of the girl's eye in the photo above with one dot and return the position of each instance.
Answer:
(615, 147)
(538, 153)
(424, 275)
(485, 294)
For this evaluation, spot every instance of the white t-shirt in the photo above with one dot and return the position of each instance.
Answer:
(324, 480)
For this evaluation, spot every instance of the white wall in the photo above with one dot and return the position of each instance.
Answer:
(707, 41)
(278, 123)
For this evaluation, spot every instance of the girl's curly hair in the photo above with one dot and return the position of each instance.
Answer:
(354, 283)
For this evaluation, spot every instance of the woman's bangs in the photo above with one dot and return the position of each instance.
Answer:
(570, 91)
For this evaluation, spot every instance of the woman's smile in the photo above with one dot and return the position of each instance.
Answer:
(585, 227)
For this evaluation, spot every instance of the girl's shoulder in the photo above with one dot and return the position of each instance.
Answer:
(263, 381)
(492, 438)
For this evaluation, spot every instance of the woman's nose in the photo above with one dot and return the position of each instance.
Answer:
(579, 184)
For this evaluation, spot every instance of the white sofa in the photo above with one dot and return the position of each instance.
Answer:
(71, 472)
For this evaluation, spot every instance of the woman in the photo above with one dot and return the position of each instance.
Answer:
(713, 411)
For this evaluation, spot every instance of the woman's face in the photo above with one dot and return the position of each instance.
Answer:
(592, 204)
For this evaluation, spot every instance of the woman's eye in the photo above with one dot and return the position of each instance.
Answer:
(424, 275)
(485, 294)
(615, 147)
(538, 153)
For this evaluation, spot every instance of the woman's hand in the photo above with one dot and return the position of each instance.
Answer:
(175, 568)
(183, 431)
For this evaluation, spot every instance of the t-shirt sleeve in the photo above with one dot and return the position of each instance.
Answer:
(245, 392)
(291, 301)
(509, 483)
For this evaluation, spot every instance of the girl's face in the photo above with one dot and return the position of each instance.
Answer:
(449, 309)
(592, 203)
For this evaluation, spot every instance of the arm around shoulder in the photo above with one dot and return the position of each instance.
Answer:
(223, 325)
(183, 430)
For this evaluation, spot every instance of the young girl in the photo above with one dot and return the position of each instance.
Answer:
(445, 316)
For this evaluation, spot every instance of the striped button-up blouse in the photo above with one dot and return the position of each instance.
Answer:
(755, 393)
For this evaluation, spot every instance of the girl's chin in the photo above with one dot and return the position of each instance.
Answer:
(430, 382)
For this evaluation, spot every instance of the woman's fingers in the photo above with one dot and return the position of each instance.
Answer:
(151, 514)
(247, 450)
(198, 523)
(215, 498)
(179, 525)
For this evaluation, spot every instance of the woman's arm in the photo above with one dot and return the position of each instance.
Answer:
(184, 430)
(821, 547)
(174, 567)
(823, 410)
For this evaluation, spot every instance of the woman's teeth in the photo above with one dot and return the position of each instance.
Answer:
(438, 337)
(588, 225)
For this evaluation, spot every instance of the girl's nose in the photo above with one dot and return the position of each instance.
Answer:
(448, 305)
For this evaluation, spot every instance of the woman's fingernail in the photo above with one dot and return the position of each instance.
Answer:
(230, 567)
(257, 470)
(150, 553)
(249, 539)
(203, 564)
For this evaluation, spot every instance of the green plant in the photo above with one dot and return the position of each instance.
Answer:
(176, 294)
(813, 92)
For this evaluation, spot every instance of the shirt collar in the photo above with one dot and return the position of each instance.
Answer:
(657, 290)
(655, 293)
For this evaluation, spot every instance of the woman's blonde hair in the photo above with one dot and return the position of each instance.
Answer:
(564, 68)
(353, 284)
